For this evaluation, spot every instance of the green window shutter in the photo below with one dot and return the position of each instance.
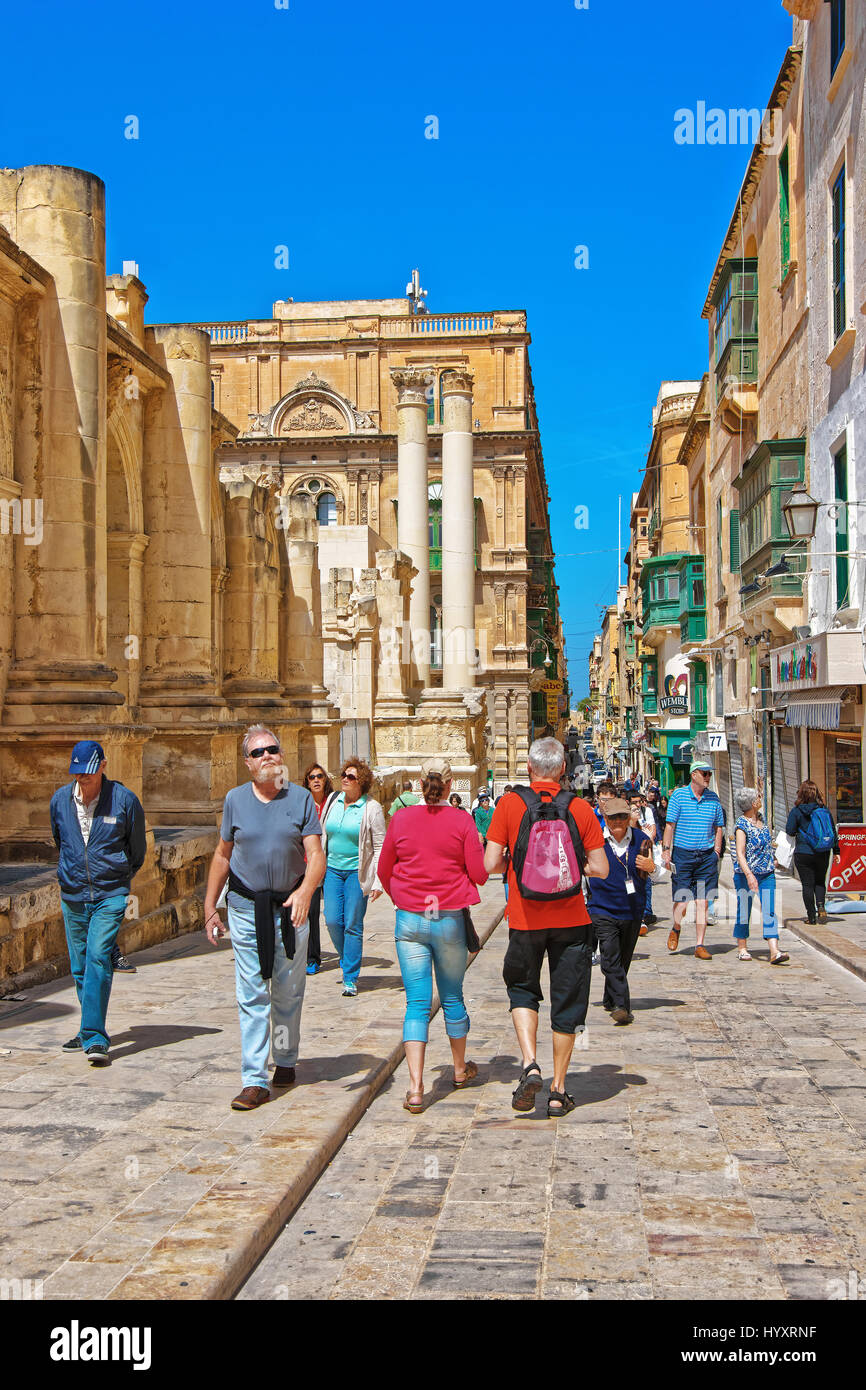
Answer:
(784, 211)
(735, 542)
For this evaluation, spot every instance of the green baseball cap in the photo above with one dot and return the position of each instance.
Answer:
(701, 766)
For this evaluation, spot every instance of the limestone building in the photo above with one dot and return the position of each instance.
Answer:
(408, 434)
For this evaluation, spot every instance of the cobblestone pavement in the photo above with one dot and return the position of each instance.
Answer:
(138, 1181)
(716, 1152)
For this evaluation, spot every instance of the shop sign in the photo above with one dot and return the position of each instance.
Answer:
(675, 699)
(848, 872)
(552, 709)
(551, 687)
(831, 658)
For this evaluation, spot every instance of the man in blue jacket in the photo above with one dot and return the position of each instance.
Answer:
(98, 827)
(617, 904)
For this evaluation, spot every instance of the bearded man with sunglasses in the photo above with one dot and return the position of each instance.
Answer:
(269, 827)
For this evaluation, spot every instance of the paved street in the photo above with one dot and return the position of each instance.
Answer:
(138, 1181)
(716, 1152)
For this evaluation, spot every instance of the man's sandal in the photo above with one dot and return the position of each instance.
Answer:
(530, 1083)
(567, 1103)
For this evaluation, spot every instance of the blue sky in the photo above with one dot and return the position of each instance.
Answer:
(305, 127)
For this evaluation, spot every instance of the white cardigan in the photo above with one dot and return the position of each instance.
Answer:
(370, 841)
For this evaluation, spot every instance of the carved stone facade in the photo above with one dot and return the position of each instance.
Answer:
(353, 395)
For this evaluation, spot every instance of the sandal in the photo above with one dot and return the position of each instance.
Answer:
(527, 1088)
(471, 1073)
(567, 1103)
(780, 958)
(743, 955)
(414, 1106)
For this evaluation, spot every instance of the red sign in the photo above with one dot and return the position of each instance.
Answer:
(848, 872)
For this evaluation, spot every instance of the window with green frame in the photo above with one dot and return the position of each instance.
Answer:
(663, 587)
(735, 541)
(719, 562)
(840, 475)
(839, 307)
(785, 210)
(737, 309)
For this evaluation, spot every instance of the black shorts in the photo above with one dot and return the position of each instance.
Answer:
(569, 959)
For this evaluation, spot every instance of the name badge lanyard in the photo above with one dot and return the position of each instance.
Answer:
(623, 862)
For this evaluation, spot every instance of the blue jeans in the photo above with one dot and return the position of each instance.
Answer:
(766, 895)
(91, 931)
(269, 1010)
(345, 908)
(425, 944)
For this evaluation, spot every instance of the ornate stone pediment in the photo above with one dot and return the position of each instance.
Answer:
(313, 406)
(312, 417)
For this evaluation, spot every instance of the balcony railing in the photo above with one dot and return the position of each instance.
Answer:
(392, 326)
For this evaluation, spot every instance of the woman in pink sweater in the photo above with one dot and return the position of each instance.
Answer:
(429, 866)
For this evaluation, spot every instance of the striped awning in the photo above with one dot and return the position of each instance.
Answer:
(820, 709)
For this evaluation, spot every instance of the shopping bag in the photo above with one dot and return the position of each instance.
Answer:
(784, 850)
(661, 872)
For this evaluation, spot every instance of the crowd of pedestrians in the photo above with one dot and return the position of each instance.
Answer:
(577, 871)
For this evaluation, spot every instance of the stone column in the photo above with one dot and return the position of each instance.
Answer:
(300, 637)
(57, 215)
(458, 533)
(178, 463)
(413, 533)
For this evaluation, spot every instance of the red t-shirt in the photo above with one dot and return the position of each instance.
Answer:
(527, 914)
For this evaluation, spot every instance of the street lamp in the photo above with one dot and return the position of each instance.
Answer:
(800, 511)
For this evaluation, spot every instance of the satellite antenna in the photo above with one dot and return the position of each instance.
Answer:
(416, 294)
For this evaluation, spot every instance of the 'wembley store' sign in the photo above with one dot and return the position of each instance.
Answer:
(831, 658)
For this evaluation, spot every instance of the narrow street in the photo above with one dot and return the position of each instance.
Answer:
(716, 1151)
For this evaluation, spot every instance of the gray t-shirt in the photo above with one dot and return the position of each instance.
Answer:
(268, 835)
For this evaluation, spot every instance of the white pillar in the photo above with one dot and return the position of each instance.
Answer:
(413, 533)
(458, 533)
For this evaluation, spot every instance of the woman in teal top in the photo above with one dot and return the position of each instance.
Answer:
(353, 827)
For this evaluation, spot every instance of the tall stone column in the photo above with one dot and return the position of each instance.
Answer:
(413, 532)
(57, 215)
(178, 463)
(458, 533)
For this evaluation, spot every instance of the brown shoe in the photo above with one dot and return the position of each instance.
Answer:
(283, 1076)
(673, 939)
(701, 953)
(251, 1097)
(644, 929)
(621, 1016)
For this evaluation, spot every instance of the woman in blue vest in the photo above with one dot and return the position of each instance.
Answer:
(816, 843)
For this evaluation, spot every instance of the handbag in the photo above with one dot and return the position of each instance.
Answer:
(785, 850)
(473, 945)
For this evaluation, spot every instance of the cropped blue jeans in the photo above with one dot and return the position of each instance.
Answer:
(428, 944)
(766, 896)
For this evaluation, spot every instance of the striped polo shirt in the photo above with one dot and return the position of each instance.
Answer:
(694, 819)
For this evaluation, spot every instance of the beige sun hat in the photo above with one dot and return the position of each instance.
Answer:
(439, 767)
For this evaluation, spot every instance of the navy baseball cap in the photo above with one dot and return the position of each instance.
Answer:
(86, 757)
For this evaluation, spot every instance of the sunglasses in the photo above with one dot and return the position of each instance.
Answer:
(348, 777)
(272, 748)
(315, 776)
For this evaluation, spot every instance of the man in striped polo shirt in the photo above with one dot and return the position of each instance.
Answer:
(693, 840)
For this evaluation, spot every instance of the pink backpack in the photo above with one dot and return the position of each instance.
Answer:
(548, 856)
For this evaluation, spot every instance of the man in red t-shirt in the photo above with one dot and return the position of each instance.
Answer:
(560, 928)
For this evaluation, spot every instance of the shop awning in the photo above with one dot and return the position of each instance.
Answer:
(820, 709)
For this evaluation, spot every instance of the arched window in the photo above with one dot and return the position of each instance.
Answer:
(434, 523)
(326, 509)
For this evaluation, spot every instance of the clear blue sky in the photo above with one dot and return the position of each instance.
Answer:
(305, 127)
